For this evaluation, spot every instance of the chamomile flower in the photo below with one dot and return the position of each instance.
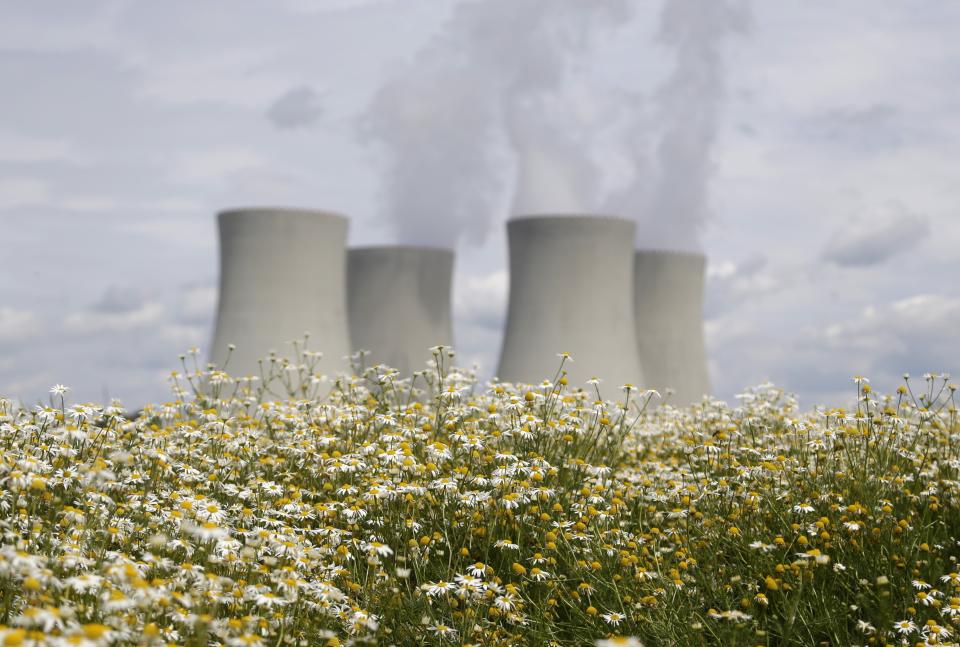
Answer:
(905, 627)
(506, 602)
(951, 578)
(619, 641)
(435, 589)
(478, 569)
(538, 575)
(613, 618)
(444, 631)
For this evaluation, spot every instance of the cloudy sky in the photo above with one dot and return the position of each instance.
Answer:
(830, 210)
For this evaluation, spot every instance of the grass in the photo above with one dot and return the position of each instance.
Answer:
(438, 511)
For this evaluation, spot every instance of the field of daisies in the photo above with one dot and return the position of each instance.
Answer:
(436, 510)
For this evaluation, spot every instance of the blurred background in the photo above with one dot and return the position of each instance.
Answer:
(809, 148)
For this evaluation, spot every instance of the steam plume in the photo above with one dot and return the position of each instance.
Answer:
(497, 79)
(441, 120)
(688, 105)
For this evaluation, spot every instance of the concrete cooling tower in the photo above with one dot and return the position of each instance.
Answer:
(571, 291)
(399, 304)
(282, 273)
(668, 297)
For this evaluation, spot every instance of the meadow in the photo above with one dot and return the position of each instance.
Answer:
(436, 510)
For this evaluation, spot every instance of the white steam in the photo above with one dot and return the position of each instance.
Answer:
(501, 78)
(688, 111)
(445, 120)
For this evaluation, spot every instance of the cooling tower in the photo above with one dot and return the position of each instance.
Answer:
(668, 297)
(571, 291)
(399, 303)
(282, 273)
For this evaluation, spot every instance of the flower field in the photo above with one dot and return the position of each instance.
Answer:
(441, 511)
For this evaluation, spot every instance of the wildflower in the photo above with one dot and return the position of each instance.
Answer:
(206, 531)
(613, 618)
(932, 629)
(438, 588)
(84, 582)
(443, 630)
(469, 585)
(905, 627)
(269, 600)
(539, 575)
(761, 546)
(256, 519)
(478, 569)
(952, 578)
(380, 549)
(210, 511)
(47, 618)
(510, 501)
(96, 634)
(619, 641)
(505, 602)
(59, 389)
(952, 608)
(926, 599)
(732, 615)
(361, 620)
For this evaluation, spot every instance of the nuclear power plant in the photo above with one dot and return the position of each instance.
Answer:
(282, 273)
(399, 303)
(668, 301)
(577, 286)
(571, 291)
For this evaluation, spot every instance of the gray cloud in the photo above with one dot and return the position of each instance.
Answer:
(17, 325)
(121, 308)
(197, 303)
(118, 299)
(865, 242)
(730, 284)
(480, 309)
(482, 300)
(916, 334)
(23, 149)
(123, 344)
(296, 108)
(876, 127)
